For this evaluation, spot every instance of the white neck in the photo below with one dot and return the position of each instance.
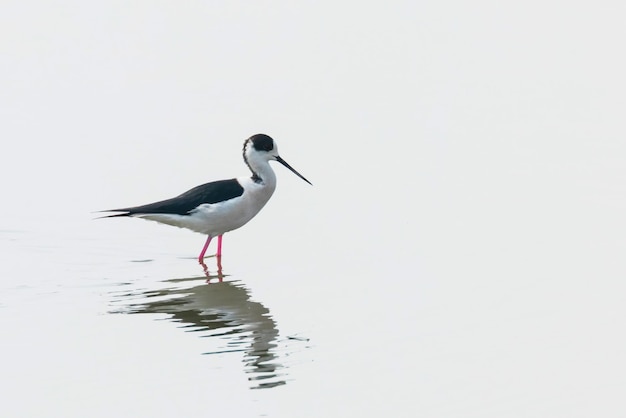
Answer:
(262, 172)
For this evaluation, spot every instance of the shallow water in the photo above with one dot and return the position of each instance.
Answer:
(118, 318)
(73, 335)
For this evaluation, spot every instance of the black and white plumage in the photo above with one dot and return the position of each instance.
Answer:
(220, 206)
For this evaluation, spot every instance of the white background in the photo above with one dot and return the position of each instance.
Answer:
(461, 251)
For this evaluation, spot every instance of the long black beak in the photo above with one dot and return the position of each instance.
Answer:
(283, 162)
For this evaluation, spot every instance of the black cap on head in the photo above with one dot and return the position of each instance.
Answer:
(262, 142)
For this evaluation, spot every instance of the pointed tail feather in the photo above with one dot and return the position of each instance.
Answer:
(115, 215)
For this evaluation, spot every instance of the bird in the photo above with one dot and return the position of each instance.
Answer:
(220, 206)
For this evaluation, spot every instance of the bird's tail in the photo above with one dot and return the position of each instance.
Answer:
(114, 215)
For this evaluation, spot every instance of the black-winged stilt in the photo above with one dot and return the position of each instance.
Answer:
(220, 206)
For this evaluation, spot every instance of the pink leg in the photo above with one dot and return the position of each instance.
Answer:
(219, 246)
(206, 245)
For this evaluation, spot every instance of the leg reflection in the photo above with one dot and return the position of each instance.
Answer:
(213, 278)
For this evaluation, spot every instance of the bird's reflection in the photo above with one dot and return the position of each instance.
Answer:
(220, 309)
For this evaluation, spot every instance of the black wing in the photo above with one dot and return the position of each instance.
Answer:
(214, 192)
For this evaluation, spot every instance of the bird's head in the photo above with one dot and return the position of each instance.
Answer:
(262, 148)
